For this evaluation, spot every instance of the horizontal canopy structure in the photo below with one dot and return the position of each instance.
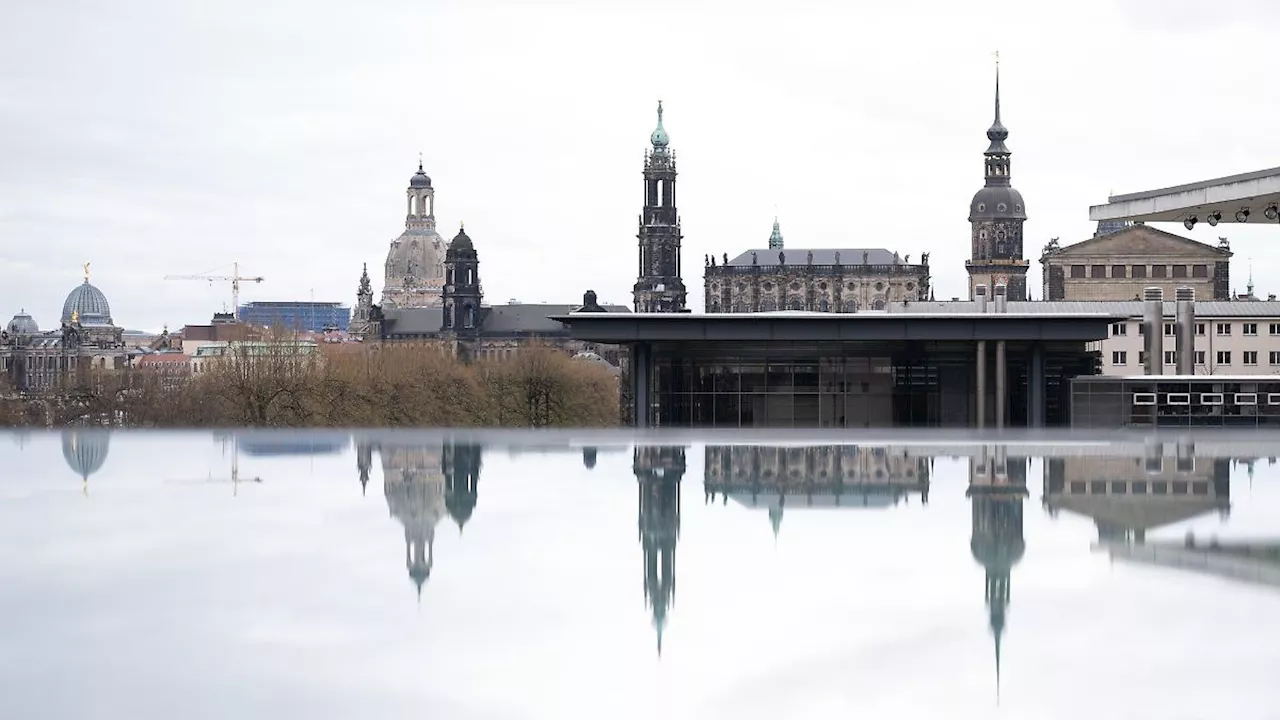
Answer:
(623, 328)
(1253, 191)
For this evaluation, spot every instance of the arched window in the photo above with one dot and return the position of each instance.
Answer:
(878, 304)
(768, 304)
(448, 276)
(413, 204)
(448, 315)
(824, 306)
(740, 306)
(796, 304)
(851, 305)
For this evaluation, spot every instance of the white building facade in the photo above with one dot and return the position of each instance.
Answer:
(1231, 338)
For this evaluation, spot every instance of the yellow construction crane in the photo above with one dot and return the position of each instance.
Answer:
(235, 278)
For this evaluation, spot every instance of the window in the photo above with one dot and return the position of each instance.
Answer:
(1274, 357)
(1200, 271)
(1139, 271)
(1199, 357)
(1119, 329)
(1274, 328)
(1118, 357)
(1251, 328)
(1223, 328)
(1098, 271)
(1250, 357)
(1159, 271)
(1179, 271)
(1200, 329)
(1224, 357)
(1142, 329)
(1170, 358)
(1168, 329)
(1077, 271)
(1142, 357)
(1118, 271)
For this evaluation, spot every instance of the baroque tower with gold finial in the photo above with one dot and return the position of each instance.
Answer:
(996, 216)
(659, 286)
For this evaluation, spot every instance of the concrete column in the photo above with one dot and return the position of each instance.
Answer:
(641, 375)
(1035, 387)
(1002, 399)
(981, 394)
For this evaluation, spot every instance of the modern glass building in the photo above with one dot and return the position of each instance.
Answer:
(927, 365)
(305, 316)
(1177, 401)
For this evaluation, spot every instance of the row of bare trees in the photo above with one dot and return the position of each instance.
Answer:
(375, 386)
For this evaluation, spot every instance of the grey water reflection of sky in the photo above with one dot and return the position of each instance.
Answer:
(149, 596)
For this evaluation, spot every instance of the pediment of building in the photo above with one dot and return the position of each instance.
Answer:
(1141, 240)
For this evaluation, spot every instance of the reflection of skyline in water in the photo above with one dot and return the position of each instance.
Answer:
(812, 476)
(1126, 494)
(422, 483)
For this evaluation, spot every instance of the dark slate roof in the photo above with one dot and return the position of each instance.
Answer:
(496, 320)
(412, 321)
(821, 256)
(531, 318)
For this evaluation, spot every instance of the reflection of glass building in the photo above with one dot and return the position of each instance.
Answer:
(1128, 496)
(997, 488)
(848, 476)
(422, 482)
(85, 451)
(658, 471)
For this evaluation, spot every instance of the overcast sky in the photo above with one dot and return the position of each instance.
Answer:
(160, 136)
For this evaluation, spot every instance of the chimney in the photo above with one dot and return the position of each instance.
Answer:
(1185, 330)
(1153, 329)
(980, 297)
(1001, 298)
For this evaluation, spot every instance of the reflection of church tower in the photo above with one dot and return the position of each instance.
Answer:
(461, 463)
(996, 490)
(413, 483)
(85, 451)
(658, 470)
(364, 461)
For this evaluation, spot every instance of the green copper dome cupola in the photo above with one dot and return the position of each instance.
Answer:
(659, 137)
(775, 238)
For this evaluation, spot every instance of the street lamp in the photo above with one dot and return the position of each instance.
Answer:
(1242, 215)
(1271, 213)
(1213, 218)
(1189, 223)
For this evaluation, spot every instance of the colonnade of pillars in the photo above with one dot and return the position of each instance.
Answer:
(1035, 385)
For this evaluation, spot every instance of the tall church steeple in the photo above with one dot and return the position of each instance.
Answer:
(659, 286)
(996, 215)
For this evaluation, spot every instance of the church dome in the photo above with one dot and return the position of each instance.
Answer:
(84, 451)
(22, 324)
(420, 179)
(461, 241)
(89, 304)
(997, 202)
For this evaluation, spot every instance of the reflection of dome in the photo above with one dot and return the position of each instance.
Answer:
(997, 554)
(90, 304)
(85, 450)
(414, 486)
(589, 457)
(23, 324)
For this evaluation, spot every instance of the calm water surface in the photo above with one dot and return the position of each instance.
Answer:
(331, 575)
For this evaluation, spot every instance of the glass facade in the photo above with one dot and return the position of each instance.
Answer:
(1102, 402)
(305, 316)
(842, 385)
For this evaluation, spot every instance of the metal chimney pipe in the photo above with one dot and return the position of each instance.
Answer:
(1185, 330)
(1002, 298)
(980, 297)
(1153, 329)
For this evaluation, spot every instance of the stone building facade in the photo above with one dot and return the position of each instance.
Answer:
(1119, 265)
(87, 338)
(996, 216)
(415, 262)
(659, 285)
(821, 280)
